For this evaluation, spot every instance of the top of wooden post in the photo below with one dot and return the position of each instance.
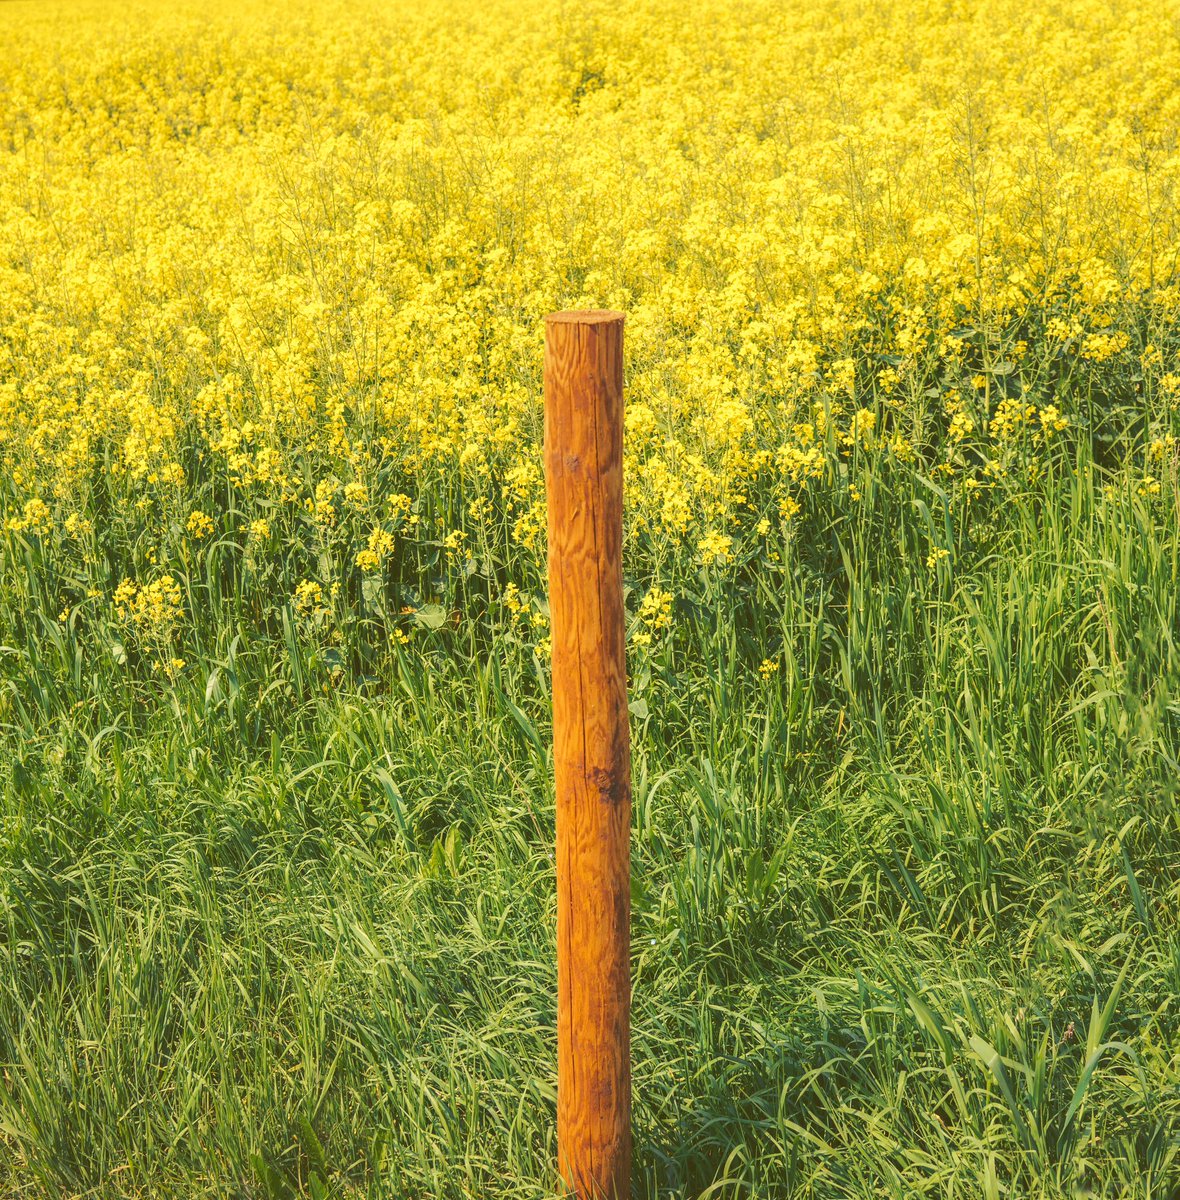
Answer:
(584, 316)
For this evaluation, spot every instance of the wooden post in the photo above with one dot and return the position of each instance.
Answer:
(591, 749)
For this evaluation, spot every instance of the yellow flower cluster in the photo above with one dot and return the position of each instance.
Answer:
(1009, 417)
(35, 518)
(715, 547)
(297, 259)
(152, 609)
(655, 615)
(529, 617)
(380, 547)
(309, 598)
(199, 524)
(1163, 448)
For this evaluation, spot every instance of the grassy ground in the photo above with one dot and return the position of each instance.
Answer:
(903, 560)
(905, 913)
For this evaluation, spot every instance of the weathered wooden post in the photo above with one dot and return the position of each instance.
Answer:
(591, 749)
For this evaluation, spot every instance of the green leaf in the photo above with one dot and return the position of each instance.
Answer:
(995, 1064)
(431, 616)
(311, 1145)
(373, 590)
(1133, 888)
(932, 1023)
(276, 1186)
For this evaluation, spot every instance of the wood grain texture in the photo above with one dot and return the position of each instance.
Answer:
(592, 759)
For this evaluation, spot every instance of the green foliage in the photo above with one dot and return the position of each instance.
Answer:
(905, 903)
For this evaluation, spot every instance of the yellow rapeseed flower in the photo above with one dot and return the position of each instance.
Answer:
(199, 524)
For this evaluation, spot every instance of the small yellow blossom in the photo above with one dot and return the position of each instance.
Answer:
(1162, 448)
(1052, 420)
(864, 422)
(902, 449)
(199, 524)
(715, 547)
(1008, 418)
(655, 610)
(1101, 347)
(152, 609)
(356, 494)
(322, 507)
(77, 525)
(512, 601)
(35, 518)
(309, 597)
(380, 547)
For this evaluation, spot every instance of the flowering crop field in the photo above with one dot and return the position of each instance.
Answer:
(902, 558)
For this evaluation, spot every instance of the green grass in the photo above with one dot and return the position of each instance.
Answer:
(905, 913)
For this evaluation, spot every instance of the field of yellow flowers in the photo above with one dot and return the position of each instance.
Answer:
(902, 558)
